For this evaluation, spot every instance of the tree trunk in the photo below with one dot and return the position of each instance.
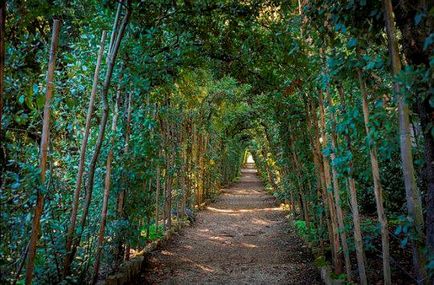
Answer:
(102, 126)
(336, 190)
(319, 180)
(184, 170)
(414, 201)
(200, 170)
(378, 188)
(416, 36)
(115, 28)
(157, 196)
(81, 165)
(188, 162)
(122, 194)
(298, 170)
(36, 224)
(360, 253)
(329, 194)
(269, 171)
(171, 137)
(106, 197)
(148, 214)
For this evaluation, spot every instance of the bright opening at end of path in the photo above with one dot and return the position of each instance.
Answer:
(250, 158)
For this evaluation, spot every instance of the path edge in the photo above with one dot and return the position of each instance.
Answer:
(130, 270)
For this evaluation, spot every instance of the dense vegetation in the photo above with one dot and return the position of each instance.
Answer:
(114, 115)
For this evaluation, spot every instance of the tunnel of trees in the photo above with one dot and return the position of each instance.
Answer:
(116, 113)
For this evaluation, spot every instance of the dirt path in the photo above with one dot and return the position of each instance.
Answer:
(243, 238)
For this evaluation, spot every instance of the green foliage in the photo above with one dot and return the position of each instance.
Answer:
(154, 232)
(208, 81)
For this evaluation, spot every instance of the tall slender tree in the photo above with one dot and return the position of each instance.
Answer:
(79, 180)
(107, 182)
(45, 139)
(378, 188)
(103, 122)
(414, 201)
(360, 252)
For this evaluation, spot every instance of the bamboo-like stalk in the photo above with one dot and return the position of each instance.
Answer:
(106, 196)
(360, 253)
(102, 127)
(73, 218)
(36, 224)
(413, 197)
(378, 188)
(336, 192)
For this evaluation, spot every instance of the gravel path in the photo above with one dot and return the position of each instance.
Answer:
(243, 238)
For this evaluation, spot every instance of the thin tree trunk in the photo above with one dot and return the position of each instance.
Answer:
(165, 153)
(203, 167)
(298, 171)
(360, 253)
(200, 170)
(378, 188)
(267, 168)
(305, 211)
(319, 173)
(169, 178)
(106, 192)
(148, 214)
(122, 194)
(336, 190)
(36, 224)
(329, 194)
(76, 198)
(157, 196)
(184, 173)
(102, 126)
(188, 162)
(414, 201)
(115, 28)
(20, 266)
(300, 187)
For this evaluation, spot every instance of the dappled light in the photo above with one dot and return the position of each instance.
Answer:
(212, 209)
(247, 230)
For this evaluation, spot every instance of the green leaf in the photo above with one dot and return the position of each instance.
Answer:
(15, 185)
(418, 18)
(35, 88)
(340, 27)
(21, 99)
(428, 41)
(40, 101)
(352, 43)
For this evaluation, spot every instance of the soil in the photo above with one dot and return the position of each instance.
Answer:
(243, 238)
